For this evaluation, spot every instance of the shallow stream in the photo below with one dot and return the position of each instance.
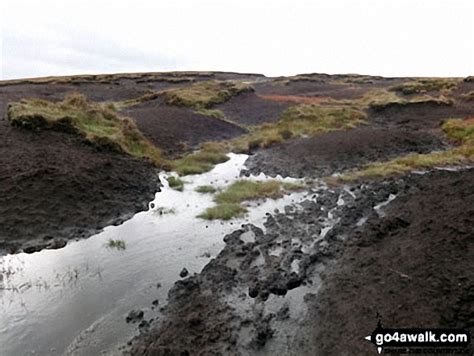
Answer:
(75, 300)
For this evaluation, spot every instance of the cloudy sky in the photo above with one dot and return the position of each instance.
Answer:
(384, 37)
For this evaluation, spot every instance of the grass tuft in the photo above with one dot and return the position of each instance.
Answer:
(206, 189)
(424, 86)
(225, 211)
(164, 211)
(116, 244)
(175, 183)
(210, 154)
(214, 113)
(408, 163)
(292, 186)
(380, 99)
(460, 131)
(297, 121)
(468, 96)
(203, 95)
(422, 99)
(242, 190)
(99, 125)
(119, 105)
(229, 201)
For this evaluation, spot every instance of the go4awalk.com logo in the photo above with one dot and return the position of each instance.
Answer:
(420, 341)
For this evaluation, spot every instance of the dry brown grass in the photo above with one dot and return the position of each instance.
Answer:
(96, 123)
(204, 95)
(460, 131)
(297, 121)
(424, 85)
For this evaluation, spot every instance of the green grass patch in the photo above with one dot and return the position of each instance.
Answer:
(224, 211)
(116, 244)
(203, 95)
(229, 202)
(98, 124)
(175, 183)
(243, 190)
(210, 154)
(299, 120)
(206, 189)
(460, 131)
(119, 105)
(424, 86)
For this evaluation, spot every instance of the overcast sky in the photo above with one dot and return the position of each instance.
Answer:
(380, 37)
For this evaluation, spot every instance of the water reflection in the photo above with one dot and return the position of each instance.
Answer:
(75, 299)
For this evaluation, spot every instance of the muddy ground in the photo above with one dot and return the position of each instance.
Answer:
(163, 125)
(247, 300)
(55, 187)
(337, 151)
(413, 267)
(313, 280)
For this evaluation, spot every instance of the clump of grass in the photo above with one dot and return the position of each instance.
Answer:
(242, 190)
(116, 244)
(308, 119)
(206, 189)
(423, 86)
(379, 99)
(203, 95)
(175, 183)
(408, 163)
(119, 105)
(164, 211)
(224, 211)
(469, 79)
(215, 113)
(210, 154)
(422, 99)
(458, 130)
(229, 202)
(99, 125)
(297, 121)
(468, 96)
(292, 186)
(110, 106)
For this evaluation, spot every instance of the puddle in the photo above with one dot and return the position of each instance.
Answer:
(75, 300)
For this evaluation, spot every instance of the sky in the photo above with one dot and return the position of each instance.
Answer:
(378, 37)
